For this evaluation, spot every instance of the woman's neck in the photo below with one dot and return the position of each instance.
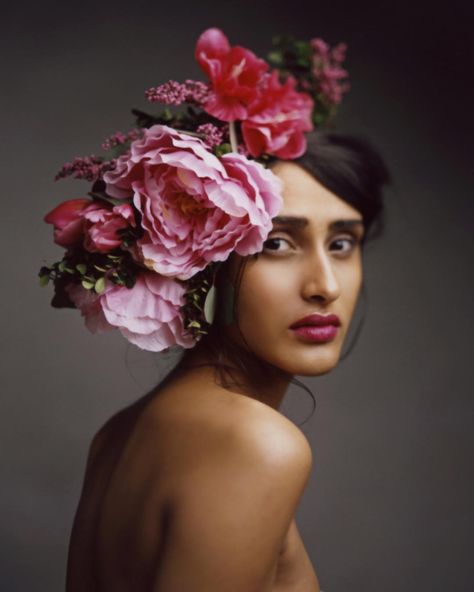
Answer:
(251, 377)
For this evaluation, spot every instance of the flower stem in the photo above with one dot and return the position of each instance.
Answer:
(233, 136)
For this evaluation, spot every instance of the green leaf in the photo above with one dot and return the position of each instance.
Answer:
(44, 280)
(210, 305)
(222, 149)
(99, 286)
(62, 266)
(275, 57)
(87, 285)
(303, 48)
(167, 115)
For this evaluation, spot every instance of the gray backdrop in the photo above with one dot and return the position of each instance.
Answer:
(388, 507)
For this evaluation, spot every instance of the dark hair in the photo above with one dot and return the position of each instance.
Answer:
(351, 169)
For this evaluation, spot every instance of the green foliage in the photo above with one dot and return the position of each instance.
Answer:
(291, 57)
(199, 299)
(210, 304)
(295, 58)
(43, 280)
(222, 149)
(99, 285)
(91, 270)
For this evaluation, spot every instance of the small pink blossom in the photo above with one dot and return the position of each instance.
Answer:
(148, 315)
(119, 138)
(277, 120)
(327, 70)
(101, 227)
(234, 73)
(89, 168)
(176, 93)
(213, 135)
(195, 207)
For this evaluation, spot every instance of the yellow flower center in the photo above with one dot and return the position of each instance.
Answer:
(188, 205)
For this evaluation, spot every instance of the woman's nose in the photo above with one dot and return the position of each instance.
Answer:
(320, 282)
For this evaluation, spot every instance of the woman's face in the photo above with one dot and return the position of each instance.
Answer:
(310, 264)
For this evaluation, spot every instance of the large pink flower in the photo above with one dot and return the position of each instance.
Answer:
(277, 120)
(195, 207)
(148, 315)
(234, 73)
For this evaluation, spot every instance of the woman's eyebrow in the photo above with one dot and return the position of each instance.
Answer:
(346, 224)
(301, 222)
(295, 221)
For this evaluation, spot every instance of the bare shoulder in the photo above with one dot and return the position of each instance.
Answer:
(271, 435)
(105, 438)
(210, 425)
(235, 501)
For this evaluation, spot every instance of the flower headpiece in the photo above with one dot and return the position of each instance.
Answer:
(176, 195)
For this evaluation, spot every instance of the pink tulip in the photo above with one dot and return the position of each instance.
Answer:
(67, 219)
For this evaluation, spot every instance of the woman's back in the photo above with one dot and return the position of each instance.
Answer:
(192, 489)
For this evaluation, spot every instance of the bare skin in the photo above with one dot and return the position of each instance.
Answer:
(151, 518)
(194, 488)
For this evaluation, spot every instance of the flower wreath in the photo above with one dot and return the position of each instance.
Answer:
(173, 197)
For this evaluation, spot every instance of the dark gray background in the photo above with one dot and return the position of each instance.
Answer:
(389, 504)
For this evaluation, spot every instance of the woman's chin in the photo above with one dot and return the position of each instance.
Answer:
(310, 365)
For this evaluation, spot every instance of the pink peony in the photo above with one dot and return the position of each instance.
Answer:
(195, 207)
(278, 119)
(148, 315)
(234, 72)
(67, 219)
(101, 226)
(89, 303)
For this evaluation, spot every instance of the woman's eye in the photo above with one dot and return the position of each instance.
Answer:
(343, 245)
(276, 244)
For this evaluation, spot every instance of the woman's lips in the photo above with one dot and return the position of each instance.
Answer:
(320, 334)
(316, 327)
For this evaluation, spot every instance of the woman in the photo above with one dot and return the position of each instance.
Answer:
(195, 487)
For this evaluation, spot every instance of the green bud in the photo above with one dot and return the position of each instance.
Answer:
(99, 286)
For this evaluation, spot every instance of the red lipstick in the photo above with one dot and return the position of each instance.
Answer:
(317, 327)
